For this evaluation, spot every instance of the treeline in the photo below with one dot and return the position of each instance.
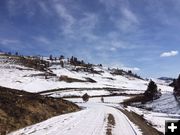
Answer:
(176, 84)
(123, 72)
(35, 62)
(152, 92)
(73, 60)
(10, 53)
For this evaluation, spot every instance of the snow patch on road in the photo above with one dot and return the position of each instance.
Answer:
(89, 121)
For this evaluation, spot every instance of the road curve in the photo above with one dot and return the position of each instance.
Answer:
(92, 120)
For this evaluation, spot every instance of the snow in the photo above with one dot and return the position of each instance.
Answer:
(163, 109)
(92, 120)
(110, 99)
(155, 118)
(23, 79)
(67, 93)
(166, 104)
(162, 82)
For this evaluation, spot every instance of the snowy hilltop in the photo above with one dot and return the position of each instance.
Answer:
(35, 74)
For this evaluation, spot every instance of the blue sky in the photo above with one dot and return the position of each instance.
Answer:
(139, 34)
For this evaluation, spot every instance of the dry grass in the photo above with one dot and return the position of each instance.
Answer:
(19, 109)
(70, 79)
(139, 98)
(145, 127)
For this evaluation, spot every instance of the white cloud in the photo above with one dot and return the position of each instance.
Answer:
(169, 54)
(129, 15)
(113, 44)
(113, 49)
(44, 7)
(42, 39)
(124, 18)
(8, 41)
(134, 69)
(74, 27)
(85, 27)
(69, 20)
(128, 21)
(15, 7)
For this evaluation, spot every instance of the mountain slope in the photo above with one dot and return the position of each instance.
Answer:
(30, 79)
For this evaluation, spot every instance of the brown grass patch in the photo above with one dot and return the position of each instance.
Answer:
(19, 109)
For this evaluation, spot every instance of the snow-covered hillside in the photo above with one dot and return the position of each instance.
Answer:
(163, 81)
(14, 75)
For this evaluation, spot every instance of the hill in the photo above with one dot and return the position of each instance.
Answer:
(19, 108)
(50, 78)
(44, 74)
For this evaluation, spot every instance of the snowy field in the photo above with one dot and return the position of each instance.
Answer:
(28, 79)
(22, 79)
(111, 99)
(165, 104)
(157, 119)
(91, 92)
(68, 93)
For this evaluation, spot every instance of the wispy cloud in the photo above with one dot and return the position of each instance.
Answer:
(64, 15)
(42, 39)
(129, 15)
(8, 41)
(169, 54)
(129, 20)
(134, 69)
(126, 68)
(15, 7)
(123, 17)
(45, 7)
(108, 44)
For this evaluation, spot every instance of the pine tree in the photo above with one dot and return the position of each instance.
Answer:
(16, 53)
(152, 91)
(177, 86)
(85, 97)
(62, 63)
(51, 57)
(61, 57)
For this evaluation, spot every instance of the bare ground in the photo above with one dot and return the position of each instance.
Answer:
(19, 109)
(111, 124)
(145, 127)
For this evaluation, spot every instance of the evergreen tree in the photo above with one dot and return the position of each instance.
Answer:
(9, 53)
(51, 57)
(130, 72)
(152, 91)
(62, 63)
(173, 83)
(177, 86)
(16, 53)
(61, 57)
(72, 60)
(85, 97)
